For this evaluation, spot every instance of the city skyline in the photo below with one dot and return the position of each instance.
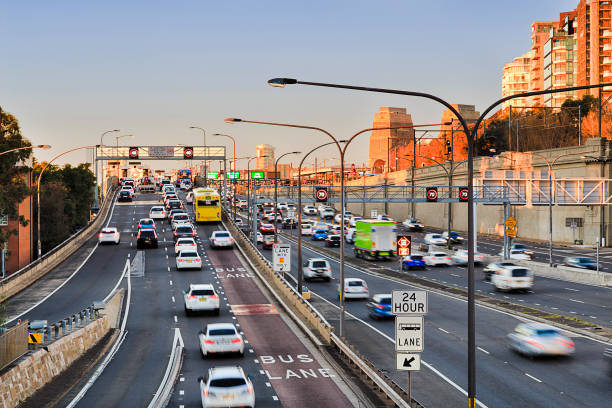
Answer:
(154, 71)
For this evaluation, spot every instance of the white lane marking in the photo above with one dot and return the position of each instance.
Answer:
(165, 248)
(268, 384)
(593, 317)
(262, 372)
(169, 271)
(181, 392)
(173, 301)
(182, 379)
(428, 365)
(483, 350)
(455, 275)
(170, 283)
(573, 290)
(533, 378)
(275, 398)
(166, 256)
(442, 330)
(577, 301)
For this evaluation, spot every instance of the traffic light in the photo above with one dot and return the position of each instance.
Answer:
(133, 152)
(188, 153)
(449, 149)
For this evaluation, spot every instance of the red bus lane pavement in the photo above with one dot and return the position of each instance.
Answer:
(297, 377)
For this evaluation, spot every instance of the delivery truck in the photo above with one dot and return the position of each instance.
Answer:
(375, 239)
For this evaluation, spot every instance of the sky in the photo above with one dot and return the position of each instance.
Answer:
(70, 70)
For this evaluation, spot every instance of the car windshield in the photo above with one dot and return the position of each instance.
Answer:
(184, 229)
(546, 332)
(189, 255)
(108, 231)
(147, 233)
(584, 260)
(125, 193)
(436, 236)
(180, 217)
(222, 234)
(416, 257)
(156, 209)
(319, 264)
(519, 246)
(520, 273)
(320, 231)
(355, 283)
(185, 241)
(202, 292)
(146, 222)
(227, 382)
(222, 332)
(385, 301)
(439, 254)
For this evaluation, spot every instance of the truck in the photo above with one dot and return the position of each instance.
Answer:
(375, 239)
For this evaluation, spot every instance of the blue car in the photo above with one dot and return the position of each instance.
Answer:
(413, 262)
(380, 306)
(319, 235)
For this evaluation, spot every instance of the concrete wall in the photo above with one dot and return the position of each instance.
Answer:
(532, 219)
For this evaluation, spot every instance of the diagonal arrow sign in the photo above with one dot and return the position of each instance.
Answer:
(408, 362)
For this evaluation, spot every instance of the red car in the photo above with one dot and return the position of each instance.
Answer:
(266, 229)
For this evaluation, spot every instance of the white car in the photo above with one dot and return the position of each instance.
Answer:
(180, 218)
(110, 234)
(189, 197)
(221, 239)
(238, 222)
(188, 259)
(354, 288)
(326, 212)
(384, 217)
(434, 239)
(201, 297)
(226, 387)
(354, 219)
(259, 237)
(413, 224)
(539, 339)
(347, 217)
(512, 278)
(309, 210)
(349, 237)
(129, 189)
(438, 258)
(185, 244)
(461, 257)
(517, 254)
(317, 268)
(157, 213)
(219, 338)
(282, 206)
(307, 229)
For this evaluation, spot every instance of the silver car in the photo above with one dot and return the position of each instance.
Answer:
(539, 339)
(220, 338)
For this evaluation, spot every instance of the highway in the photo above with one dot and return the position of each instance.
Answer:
(504, 379)
(286, 372)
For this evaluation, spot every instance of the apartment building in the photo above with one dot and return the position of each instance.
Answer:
(559, 59)
(515, 80)
(540, 31)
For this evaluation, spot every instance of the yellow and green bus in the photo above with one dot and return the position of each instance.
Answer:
(206, 205)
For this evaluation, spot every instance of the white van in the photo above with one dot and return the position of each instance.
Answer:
(307, 229)
(512, 278)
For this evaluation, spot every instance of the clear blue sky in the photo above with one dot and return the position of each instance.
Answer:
(70, 70)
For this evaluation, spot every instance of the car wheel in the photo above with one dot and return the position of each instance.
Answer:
(327, 279)
(216, 312)
(187, 312)
(202, 353)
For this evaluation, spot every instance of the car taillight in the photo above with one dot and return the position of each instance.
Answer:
(197, 259)
(205, 392)
(100, 235)
(447, 257)
(191, 297)
(231, 240)
(209, 342)
(365, 287)
(346, 289)
(534, 343)
(180, 260)
(236, 340)
(214, 296)
(566, 343)
(250, 389)
(376, 305)
(175, 233)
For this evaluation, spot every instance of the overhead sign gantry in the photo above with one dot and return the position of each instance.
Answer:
(160, 152)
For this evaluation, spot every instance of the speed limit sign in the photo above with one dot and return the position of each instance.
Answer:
(321, 194)
(464, 193)
(431, 193)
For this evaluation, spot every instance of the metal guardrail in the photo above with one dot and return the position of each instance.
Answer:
(55, 252)
(68, 324)
(13, 343)
(164, 391)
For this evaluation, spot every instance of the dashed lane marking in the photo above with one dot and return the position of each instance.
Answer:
(442, 330)
(170, 283)
(173, 301)
(483, 350)
(533, 378)
(573, 290)
(577, 301)
(175, 319)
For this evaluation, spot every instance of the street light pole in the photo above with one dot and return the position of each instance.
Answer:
(205, 153)
(276, 193)
(25, 148)
(38, 191)
(102, 164)
(234, 144)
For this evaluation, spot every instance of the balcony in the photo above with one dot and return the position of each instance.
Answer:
(606, 34)
(607, 74)
(607, 61)
(607, 47)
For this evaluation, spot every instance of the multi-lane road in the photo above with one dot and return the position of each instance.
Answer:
(504, 378)
(287, 368)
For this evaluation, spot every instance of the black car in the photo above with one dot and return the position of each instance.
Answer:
(183, 231)
(146, 239)
(289, 223)
(173, 212)
(124, 196)
(173, 204)
(332, 241)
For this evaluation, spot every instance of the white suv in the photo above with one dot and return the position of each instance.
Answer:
(226, 387)
(201, 297)
(317, 268)
(219, 338)
(309, 210)
(221, 239)
(326, 212)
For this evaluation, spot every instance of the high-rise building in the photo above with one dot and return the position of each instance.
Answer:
(594, 36)
(560, 60)
(515, 79)
(385, 144)
(540, 31)
(264, 163)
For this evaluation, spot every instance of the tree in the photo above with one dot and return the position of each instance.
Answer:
(494, 139)
(54, 224)
(13, 188)
(587, 104)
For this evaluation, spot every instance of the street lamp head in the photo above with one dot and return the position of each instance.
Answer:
(281, 82)
(448, 123)
(296, 152)
(232, 120)
(44, 147)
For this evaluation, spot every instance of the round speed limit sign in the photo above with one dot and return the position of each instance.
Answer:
(321, 194)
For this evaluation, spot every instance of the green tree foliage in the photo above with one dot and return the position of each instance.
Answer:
(13, 188)
(587, 104)
(54, 223)
(494, 140)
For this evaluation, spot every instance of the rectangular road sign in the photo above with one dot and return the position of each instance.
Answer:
(213, 175)
(408, 361)
(281, 257)
(35, 338)
(409, 333)
(233, 175)
(258, 175)
(411, 302)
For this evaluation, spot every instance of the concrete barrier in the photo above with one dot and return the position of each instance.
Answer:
(29, 274)
(567, 273)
